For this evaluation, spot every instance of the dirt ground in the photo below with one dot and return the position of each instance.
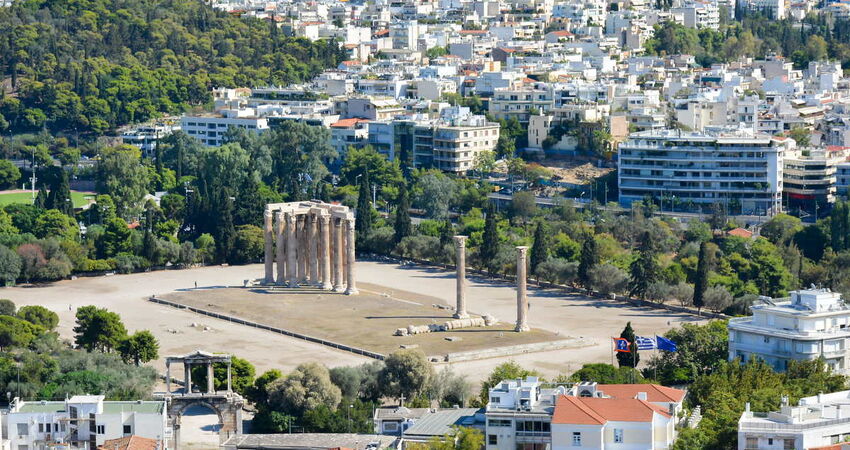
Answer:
(594, 320)
(367, 321)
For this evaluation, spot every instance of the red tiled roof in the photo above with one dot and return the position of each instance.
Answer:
(347, 123)
(654, 392)
(740, 232)
(352, 63)
(597, 411)
(130, 443)
(836, 148)
(562, 33)
(382, 33)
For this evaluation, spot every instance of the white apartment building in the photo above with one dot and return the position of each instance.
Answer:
(699, 14)
(146, 137)
(84, 422)
(775, 9)
(812, 324)
(519, 103)
(815, 422)
(738, 169)
(809, 177)
(519, 415)
(210, 130)
(842, 178)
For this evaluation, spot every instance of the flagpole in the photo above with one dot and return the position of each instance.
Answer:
(613, 343)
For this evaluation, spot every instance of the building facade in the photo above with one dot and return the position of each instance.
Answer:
(693, 170)
(84, 422)
(815, 422)
(814, 323)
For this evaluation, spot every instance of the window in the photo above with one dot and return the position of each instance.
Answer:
(576, 439)
(41, 428)
(128, 429)
(492, 439)
(101, 429)
(23, 429)
(390, 426)
(618, 435)
(498, 423)
(788, 444)
(494, 400)
(769, 441)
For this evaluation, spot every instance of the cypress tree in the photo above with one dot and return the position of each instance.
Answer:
(540, 249)
(490, 239)
(632, 358)
(845, 225)
(706, 255)
(644, 270)
(402, 214)
(447, 232)
(148, 245)
(589, 257)
(63, 195)
(836, 226)
(41, 198)
(363, 220)
(225, 232)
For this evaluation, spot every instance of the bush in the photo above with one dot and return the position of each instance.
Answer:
(558, 270)
(125, 263)
(39, 315)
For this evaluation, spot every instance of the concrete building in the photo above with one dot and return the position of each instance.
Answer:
(210, 130)
(84, 422)
(146, 137)
(809, 178)
(814, 323)
(842, 179)
(741, 170)
(816, 422)
(520, 102)
(519, 415)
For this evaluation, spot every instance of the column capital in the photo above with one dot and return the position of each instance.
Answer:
(522, 250)
(460, 241)
(324, 218)
(289, 217)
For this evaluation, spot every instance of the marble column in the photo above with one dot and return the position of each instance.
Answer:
(521, 298)
(313, 254)
(338, 254)
(229, 387)
(281, 248)
(460, 262)
(302, 249)
(268, 219)
(350, 239)
(188, 378)
(167, 377)
(210, 379)
(325, 249)
(291, 244)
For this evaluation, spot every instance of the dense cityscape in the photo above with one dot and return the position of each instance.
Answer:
(424, 224)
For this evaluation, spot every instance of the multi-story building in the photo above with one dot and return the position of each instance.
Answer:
(816, 422)
(814, 323)
(809, 178)
(522, 414)
(84, 422)
(740, 170)
(842, 179)
(520, 103)
(210, 130)
(700, 14)
(146, 137)
(459, 141)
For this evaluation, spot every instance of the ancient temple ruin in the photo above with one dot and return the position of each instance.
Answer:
(310, 243)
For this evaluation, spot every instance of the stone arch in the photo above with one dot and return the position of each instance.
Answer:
(180, 410)
(227, 408)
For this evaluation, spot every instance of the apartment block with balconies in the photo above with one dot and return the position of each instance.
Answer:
(812, 324)
(689, 171)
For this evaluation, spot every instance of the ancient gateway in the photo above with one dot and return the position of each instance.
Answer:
(312, 244)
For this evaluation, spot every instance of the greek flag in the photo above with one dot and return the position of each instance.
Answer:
(646, 343)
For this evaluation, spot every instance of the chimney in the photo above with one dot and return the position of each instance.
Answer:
(747, 407)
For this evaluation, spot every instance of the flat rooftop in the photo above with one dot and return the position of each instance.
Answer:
(310, 440)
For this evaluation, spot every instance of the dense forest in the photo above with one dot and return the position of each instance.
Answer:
(91, 65)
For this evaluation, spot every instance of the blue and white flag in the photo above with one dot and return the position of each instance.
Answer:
(645, 343)
(665, 344)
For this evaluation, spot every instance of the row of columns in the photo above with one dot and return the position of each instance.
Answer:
(521, 296)
(310, 248)
(187, 377)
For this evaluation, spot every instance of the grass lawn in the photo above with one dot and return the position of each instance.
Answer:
(79, 198)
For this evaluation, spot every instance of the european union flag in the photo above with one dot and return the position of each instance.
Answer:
(665, 344)
(621, 345)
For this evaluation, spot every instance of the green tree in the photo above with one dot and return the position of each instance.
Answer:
(541, 248)
(305, 388)
(40, 316)
(490, 240)
(7, 307)
(53, 223)
(607, 374)
(140, 347)
(589, 257)
(781, 228)
(460, 438)
(249, 244)
(10, 265)
(801, 135)
(121, 175)
(838, 220)
(706, 260)
(98, 329)
(405, 373)
(15, 332)
(242, 376)
(644, 270)
(632, 357)
(699, 350)
(116, 238)
(9, 174)
(363, 220)
(225, 232)
(436, 193)
(402, 226)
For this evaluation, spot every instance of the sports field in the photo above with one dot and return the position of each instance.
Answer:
(18, 196)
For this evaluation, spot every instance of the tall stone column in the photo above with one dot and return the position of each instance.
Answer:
(302, 249)
(281, 248)
(351, 289)
(460, 262)
(338, 253)
(210, 379)
(188, 378)
(229, 376)
(167, 377)
(325, 249)
(291, 244)
(313, 254)
(269, 247)
(521, 298)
